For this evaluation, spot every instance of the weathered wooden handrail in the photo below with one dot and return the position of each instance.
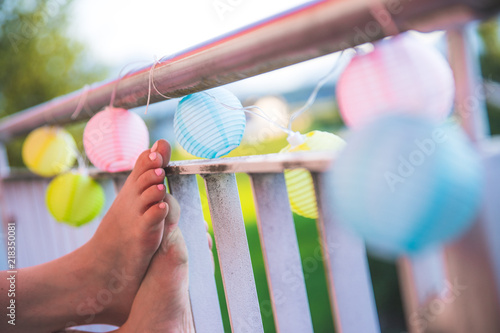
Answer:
(313, 161)
(311, 31)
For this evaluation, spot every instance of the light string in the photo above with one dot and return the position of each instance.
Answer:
(81, 102)
(312, 98)
(82, 160)
(248, 109)
(120, 77)
(152, 83)
(294, 138)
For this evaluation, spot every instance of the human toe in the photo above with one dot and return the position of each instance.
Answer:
(163, 148)
(152, 195)
(147, 160)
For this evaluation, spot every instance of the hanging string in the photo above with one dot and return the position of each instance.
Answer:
(248, 109)
(81, 102)
(312, 98)
(152, 84)
(153, 79)
(120, 77)
(294, 138)
(83, 166)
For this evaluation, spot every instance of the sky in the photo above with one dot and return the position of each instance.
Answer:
(130, 30)
(132, 33)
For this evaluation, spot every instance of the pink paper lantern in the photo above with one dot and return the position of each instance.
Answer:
(401, 75)
(114, 138)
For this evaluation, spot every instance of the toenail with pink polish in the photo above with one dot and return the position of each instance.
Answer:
(162, 205)
(159, 171)
(155, 146)
(152, 156)
(161, 187)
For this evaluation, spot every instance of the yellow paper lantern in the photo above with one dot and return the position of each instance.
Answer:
(49, 151)
(299, 181)
(74, 199)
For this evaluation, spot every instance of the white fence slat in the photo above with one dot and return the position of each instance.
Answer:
(429, 274)
(20, 204)
(233, 252)
(351, 292)
(39, 237)
(492, 213)
(4, 170)
(281, 254)
(202, 288)
(54, 244)
(43, 246)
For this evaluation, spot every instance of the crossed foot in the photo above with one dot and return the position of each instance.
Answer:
(140, 278)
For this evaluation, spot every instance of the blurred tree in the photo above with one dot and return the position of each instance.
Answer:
(490, 66)
(38, 60)
(490, 57)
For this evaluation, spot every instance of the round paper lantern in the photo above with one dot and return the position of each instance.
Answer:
(403, 184)
(401, 75)
(114, 138)
(74, 199)
(209, 124)
(49, 150)
(299, 181)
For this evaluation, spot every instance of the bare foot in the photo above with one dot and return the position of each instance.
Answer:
(126, 239)
(162, 302)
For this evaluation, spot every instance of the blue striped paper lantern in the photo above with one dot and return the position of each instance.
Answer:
(209, 124)
(403, 184)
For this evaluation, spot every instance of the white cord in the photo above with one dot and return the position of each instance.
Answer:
(314, 94)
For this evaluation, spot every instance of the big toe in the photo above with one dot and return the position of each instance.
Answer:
(156, 157)
(163, 148)
(146, 161)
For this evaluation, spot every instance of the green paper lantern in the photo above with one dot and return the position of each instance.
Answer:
(74, 199)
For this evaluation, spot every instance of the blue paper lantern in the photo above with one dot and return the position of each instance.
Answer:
(403, 184)
(209, 124)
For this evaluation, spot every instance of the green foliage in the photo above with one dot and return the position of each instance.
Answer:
(39, 61)
(490, 57)
(490, 66)
(494, 118)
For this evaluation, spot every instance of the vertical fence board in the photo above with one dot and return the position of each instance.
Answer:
(202, 287)
(281, 254)
(429, 274)
(4, 170)
(350, 287)
(234, 255)
(492, 213)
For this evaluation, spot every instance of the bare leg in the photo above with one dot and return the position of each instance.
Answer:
(97, 283)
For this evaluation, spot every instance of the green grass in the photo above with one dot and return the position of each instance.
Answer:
(314, 276)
